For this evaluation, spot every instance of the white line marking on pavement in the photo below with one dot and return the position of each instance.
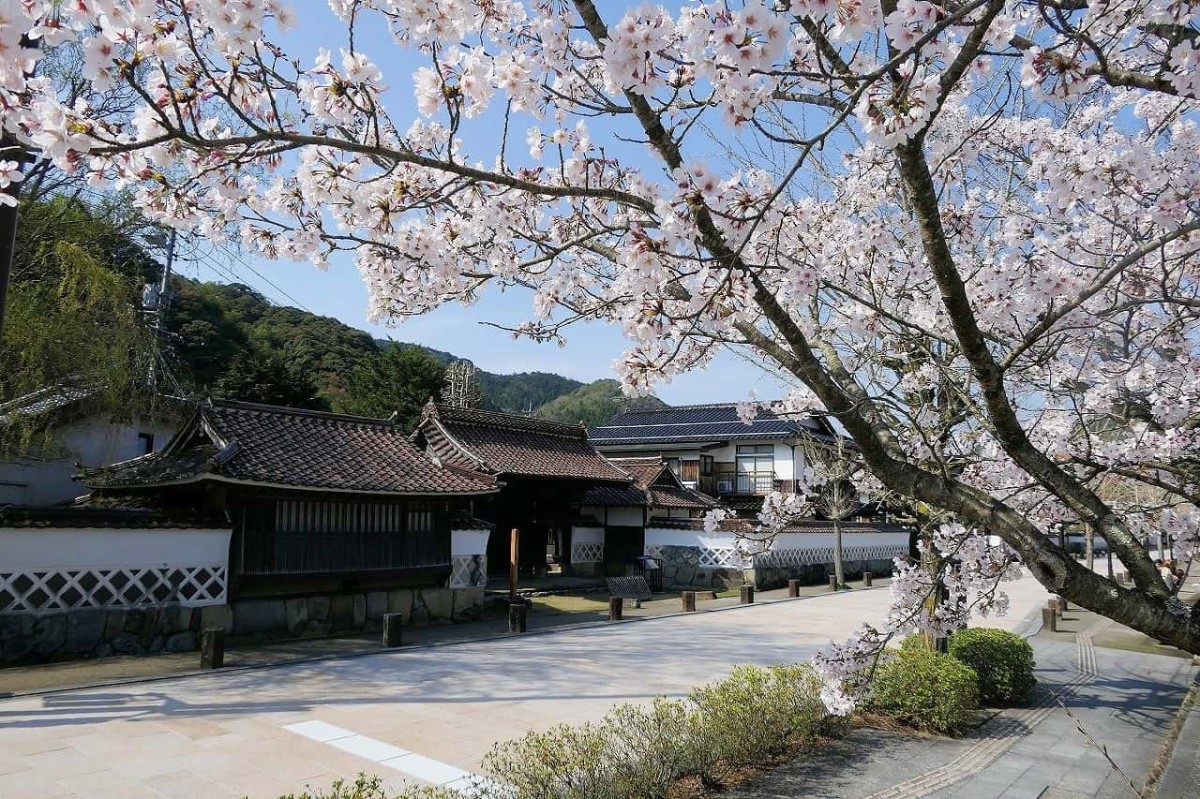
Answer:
(393, 757)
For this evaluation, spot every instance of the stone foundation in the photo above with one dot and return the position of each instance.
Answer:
(684, 568)
(767, 577)
(100, 632)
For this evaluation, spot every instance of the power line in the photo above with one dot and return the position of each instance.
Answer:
(234, 256)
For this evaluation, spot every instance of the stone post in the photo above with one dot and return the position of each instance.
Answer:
(391, 629)
(1049, 620)
(1054, 606)
(867, 579)
(1063, 607)
(689, 601)
(517, 617)
(616, 608)
(212, 648)
(833, 586)
(793, 588)
(747, 597)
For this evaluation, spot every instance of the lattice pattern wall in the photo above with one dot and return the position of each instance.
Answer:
(722, 558)
(587, 552)
(803, 557)
(66, 589)
(731, 558)
(468, 571)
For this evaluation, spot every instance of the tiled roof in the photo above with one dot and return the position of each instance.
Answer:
(616, 497)
(644, 471)
(748, 525)
(697, 424)
(660, 487)
(674, 497)
(264, 444)
(507, 444)
(44, 401)
(75, 517)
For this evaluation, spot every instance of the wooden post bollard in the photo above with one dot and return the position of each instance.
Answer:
(833, 586)
(867, 579)
(1063, 607)
(1054, 606)
(391, 629)
(1123, 578)
(616, 608)
(793, 588)
(212, 648)
(689, 601)
(1049, 620)
(747, 597)
(517, 617)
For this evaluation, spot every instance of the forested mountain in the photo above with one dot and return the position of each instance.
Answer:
(594, 404)
(75, 315)
(214, 322)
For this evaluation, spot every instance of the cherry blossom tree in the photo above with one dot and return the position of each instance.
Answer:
(967, 229)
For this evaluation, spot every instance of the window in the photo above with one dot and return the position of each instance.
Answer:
(145, 443)
(706, 465)
(755, 468)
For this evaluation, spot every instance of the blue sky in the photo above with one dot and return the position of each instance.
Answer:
(339, 291)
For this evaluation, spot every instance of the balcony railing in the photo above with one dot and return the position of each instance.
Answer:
(757, 483)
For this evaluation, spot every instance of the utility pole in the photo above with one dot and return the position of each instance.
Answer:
(165, 286)
(158, 305)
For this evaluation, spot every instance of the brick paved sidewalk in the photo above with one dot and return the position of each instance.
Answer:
(1124, 699)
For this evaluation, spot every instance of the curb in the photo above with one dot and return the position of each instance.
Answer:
(1180, 779)
(401, 650)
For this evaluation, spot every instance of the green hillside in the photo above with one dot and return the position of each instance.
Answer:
(75, 315)
(214, 323)
(594, 404)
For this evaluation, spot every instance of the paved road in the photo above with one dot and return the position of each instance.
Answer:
(1125, 701)
(223, 735)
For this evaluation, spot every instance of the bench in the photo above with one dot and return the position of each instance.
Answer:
(634, 588)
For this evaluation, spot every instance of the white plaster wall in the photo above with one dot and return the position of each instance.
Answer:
(657, 537)
(669, 513)
(625, 517)
(468, 542)
(614, 517)
(587, 535)
(90, 442)
(24, 550)
(849, 539)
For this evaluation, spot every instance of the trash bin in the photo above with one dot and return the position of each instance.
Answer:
(652, 571)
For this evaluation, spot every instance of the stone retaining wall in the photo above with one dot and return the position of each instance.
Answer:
(99, 632)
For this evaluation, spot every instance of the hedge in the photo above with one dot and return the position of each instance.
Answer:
(927, 690)
(1003, 661)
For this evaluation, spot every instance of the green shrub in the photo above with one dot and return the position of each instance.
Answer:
(926, 689)
(757, 714)
(365, 787)
(1003, 661)
(563, 762)
(640, 751)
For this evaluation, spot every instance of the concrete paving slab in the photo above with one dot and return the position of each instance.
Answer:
(446, 703)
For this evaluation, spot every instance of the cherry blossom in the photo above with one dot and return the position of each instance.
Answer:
(966, 232)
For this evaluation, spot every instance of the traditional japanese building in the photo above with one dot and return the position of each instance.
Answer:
(544, 471)
(341, 511)
(611, 529)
